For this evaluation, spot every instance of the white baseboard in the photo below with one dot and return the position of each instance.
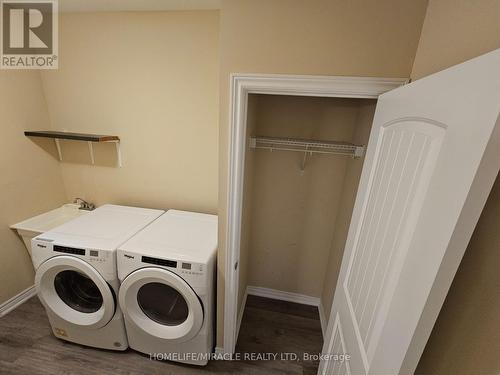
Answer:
(17, 300)
(289, 297)
(283, 296)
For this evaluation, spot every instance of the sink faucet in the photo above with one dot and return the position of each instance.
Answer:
(84, 205)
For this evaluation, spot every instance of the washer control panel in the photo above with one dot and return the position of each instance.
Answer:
(191, 268)
(68, 250)
(97, 256)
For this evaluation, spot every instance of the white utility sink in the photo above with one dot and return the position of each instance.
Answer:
(39, 224)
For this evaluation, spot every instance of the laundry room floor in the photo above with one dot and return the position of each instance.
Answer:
(27, 345)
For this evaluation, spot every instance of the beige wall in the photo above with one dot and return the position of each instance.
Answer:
(330, 37)
(465, 338)
(30, 180)
(350, 184)
(455, 31)
(151, 79)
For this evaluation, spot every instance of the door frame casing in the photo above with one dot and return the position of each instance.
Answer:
(272, 84)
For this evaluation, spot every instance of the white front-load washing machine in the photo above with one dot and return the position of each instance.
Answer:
(167, 274)
(76, 277)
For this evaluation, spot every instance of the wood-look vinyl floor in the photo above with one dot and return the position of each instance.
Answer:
(27, 345)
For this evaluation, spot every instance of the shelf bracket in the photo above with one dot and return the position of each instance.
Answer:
(359, 151)
(118, 153)
(58, 146)
(91, 152)
(253, 142)
(304, 160)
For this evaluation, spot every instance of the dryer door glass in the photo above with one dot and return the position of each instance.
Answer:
(162, 303)
(78, 291)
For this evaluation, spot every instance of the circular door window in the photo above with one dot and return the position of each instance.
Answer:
(163, 304)
(78, 291)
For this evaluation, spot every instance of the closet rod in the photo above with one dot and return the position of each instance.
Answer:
(307, 146)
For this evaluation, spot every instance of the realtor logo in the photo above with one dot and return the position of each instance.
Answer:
(29, 34)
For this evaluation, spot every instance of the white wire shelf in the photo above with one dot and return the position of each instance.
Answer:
(307, 146)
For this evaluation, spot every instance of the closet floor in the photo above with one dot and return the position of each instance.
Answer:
(271, 326)
(27, 345)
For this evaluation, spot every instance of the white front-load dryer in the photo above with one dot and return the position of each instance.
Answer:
(167, 274)
(76, 277)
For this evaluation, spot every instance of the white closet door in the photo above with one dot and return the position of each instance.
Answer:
(433, 155)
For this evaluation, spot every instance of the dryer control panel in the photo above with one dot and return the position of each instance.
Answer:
(195, 273)
(159, 262)
(181, 267)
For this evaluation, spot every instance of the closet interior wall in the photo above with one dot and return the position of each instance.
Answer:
(295, 222)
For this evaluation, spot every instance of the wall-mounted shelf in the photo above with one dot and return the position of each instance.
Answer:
(89, 138)
(308, 147)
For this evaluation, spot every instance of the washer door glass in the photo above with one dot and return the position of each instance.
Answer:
(78, 291)
(75, 291)
(162, 303)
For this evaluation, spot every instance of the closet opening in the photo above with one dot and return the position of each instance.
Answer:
(303, 161)
(294, 271)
